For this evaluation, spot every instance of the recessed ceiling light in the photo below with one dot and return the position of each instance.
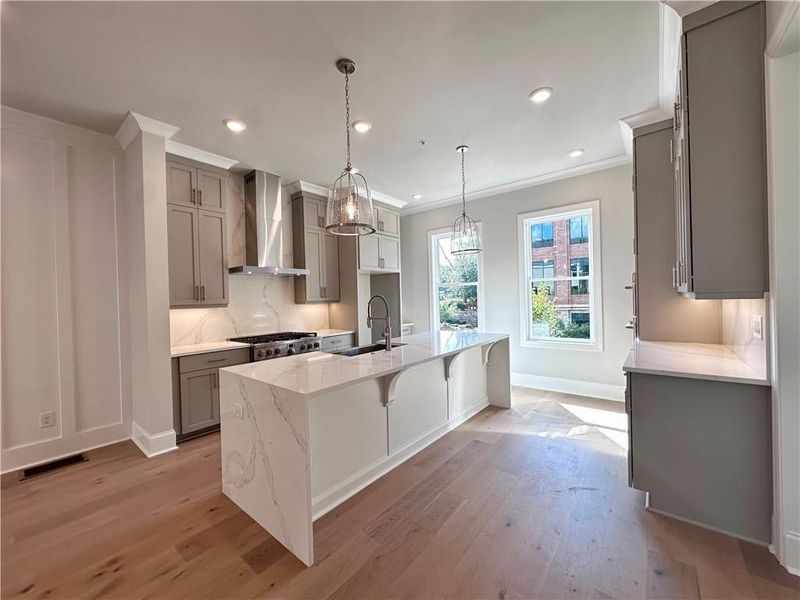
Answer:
(362, 126)
(417, 196)
(234, 125)
(576, 153)
(540, 95)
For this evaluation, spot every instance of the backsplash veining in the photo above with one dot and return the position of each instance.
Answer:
(258, 303)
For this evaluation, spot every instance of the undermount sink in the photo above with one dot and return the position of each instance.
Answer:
(359, 350)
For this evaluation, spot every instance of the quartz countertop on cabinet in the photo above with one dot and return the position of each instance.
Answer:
(715, 362)
(333, 332)
(203, 347)
(321, 371)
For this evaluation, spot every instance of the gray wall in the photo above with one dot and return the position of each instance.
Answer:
(501, 277)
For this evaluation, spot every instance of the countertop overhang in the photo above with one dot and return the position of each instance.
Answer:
(318, 372)
(713, 362)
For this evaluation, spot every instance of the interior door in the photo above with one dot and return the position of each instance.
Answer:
(199, 400)
(331, 256)
(390, 253)
(314, 264)
(210, 190)
(184, 274)
(181, 184)
(213, 263)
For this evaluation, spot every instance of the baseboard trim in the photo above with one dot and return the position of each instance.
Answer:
(577, 387)
(791, 552)
(153, 445)
(333, 497)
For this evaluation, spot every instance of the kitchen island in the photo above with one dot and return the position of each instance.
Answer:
(303, 433)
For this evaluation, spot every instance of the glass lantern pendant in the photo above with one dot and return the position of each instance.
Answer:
(349, 199)
(465, 238)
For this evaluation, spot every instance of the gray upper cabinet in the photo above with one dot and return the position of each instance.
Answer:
(387, 221)
(660, 313)
(719, 151)
(197, 235)
(314, 249)
(379, 253)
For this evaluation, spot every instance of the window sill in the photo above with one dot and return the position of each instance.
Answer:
(553, 345)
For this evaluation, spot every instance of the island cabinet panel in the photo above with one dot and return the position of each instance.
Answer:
(348, 431)
(468, 382)
(702, 450)
(420, 404)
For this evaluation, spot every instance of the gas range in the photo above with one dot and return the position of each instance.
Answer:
(275, 345)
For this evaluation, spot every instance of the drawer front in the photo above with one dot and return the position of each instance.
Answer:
(223, 358)
(337, 342)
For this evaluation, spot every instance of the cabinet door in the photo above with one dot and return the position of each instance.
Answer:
(213, 258)
(210, 190)
(184, 273)
(314, 213)
(390, 253)
(199, 400)
(369, 252)
(181, 184)
(314, 242)
(331, 274)
(389, 221)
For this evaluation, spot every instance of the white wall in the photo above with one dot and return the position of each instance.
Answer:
(602, 371)
(258, 303)
(64, 330)
(783, 94)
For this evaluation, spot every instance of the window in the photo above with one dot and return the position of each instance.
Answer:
(456, 300)
(559, 280)
(542, 234)
(579, 230)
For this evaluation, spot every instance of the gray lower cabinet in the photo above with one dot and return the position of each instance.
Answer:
(195, 390)
(702, 451)
(720, 154)
(196, 235)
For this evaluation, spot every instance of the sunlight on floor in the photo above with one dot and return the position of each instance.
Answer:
(613, 425)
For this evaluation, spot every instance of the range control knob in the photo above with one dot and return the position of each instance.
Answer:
(269, 352)
(316, 344)
(291, 351)
(277, 351)
(260, 354)
(303, 347)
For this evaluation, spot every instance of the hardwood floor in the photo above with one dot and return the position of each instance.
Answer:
(527, 503)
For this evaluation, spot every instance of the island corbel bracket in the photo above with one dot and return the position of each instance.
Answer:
(485, 350)
(389, 387)
(448, 365)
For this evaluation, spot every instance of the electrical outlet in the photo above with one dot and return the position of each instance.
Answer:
(47, 419)
(758, 327)
(238, 411)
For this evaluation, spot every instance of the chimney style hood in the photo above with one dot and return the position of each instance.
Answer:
(263, 235)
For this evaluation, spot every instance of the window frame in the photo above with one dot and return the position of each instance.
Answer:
(525, 269)
(433, 315)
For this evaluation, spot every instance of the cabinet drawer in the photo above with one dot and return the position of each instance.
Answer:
(337, 342)
(224, 358)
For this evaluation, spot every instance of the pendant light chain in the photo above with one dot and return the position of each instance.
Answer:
(347, 114)
(463, 188)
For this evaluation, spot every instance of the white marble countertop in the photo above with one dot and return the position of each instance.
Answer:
(202, 348)
(332, 332)
(320, 371)
(714, 362)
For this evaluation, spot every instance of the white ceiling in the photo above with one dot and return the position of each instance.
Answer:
(449, 72)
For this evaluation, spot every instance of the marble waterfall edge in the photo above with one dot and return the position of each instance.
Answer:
(265, 458)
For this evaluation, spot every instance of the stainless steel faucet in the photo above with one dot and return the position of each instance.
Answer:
(387, 321)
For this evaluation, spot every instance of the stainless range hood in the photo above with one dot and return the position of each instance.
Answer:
(263, 235)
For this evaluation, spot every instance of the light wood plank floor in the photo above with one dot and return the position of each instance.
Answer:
(527, 503)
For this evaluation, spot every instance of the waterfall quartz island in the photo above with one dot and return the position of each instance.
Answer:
(303, 433)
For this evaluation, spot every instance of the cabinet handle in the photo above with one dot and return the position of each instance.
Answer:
(194, 196)
(628, 287)
(674, 276)
(215, 379)
(322, 291)
(200, 197)
(671, 151)
(321, 222)
(215, 360)
(202, 292)
(197, 292)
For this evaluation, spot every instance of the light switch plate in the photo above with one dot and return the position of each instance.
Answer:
(758, 327)
(47, 419)
(238, 411)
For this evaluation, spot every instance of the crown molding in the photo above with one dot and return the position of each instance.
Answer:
(783, 29)
(687, 7)
(135, 123)
(669, 43)
(313, 188)
(199, 155)
(631, 122)
(598, 165)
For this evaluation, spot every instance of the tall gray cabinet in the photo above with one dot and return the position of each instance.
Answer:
(314, 249)
(719, 154)
(197, 234)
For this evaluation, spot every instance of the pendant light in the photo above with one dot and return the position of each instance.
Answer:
(349, 199)
(465, 238)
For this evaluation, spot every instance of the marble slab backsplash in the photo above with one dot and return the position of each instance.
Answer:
(258, 303)
(737, 330)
